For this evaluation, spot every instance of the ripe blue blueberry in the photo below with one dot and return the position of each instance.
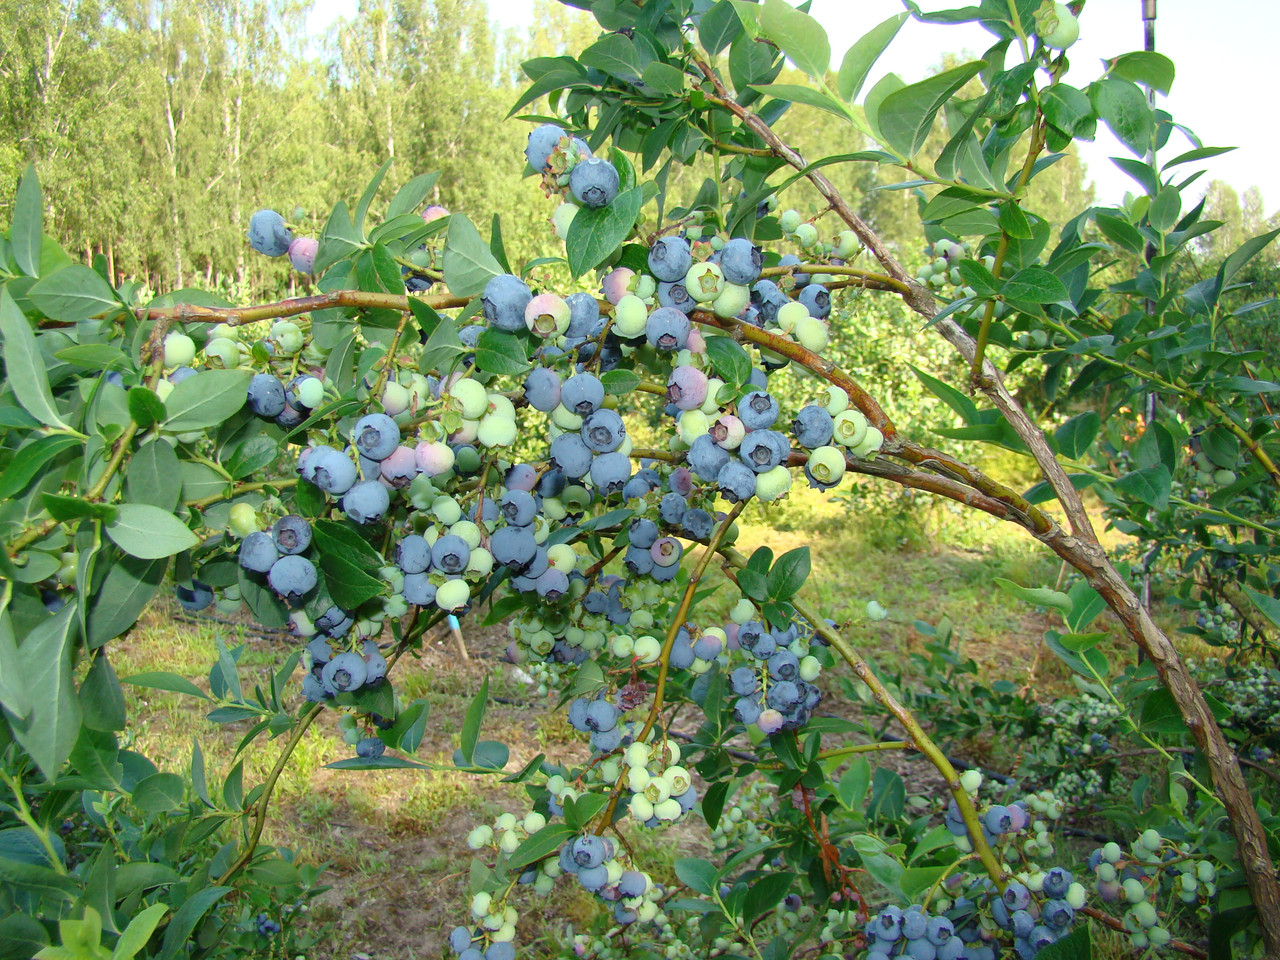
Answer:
(670, 258)
(698, 523)
(268, 234)
(504, 301)
(610, 472)
(643, 532)
(258, 552)
(542, 142)
(706, 458)
(768, 298)
(450, 554)
(344, 672)
(514, 547)
(292, 577)
(413, 554)
(817, 299)
(604, 431)
(193, 598)
(584, 315)
(594, 182)
(741, 261)
(366, 501)
(675, 294)
(376, 436)
(518, 508)
(571, 455)
(418, 589)
(762, 450)
(582, 394)
(667, 328)
(737, 481)
(292, 534)
(329, 469)
(542, 389)
(758, 410)
(813, 426)
(370, 748)
(266, 395)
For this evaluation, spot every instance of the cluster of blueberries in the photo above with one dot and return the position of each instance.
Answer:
(271, 236)
(592, 860)
(774, 691)
(1152, 871)
(289, 405)
(569, 168)
(278, 555)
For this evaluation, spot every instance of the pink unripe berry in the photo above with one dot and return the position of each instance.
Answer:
(728, 432)
(547, 315)
(687, 388)
(617, 284)
(769, 721)
(433, 459)
(400, 468)
(434, 212)
(696, 342)
(302, 254)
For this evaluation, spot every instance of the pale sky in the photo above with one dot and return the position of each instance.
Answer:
(1221, 50)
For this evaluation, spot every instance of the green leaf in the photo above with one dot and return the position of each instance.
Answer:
(789, 574)
(28, 213)
(129, 586)
(616, 55)
(696, 874)
(338, 240)
(177, 935)
(472, 721)
(1124, 108)
(1268, 606)
(158, 793)
(51, 729)
(138, 932)
(366, 198)
(21, 937)
(795, 93)
(906, 116)
(30, 460)
(1230, 267)
(145, 407)
(63, 509)
(1067, 108)
(1147, 67)
(729, 361)
(101, 699)
(349, 585)
(949, 395)
(861, 57)
(73, 294)
(150, 533)
(1150, 485)
(24, 365)
(409, 197)
(619, 383)
(500, 352)
(800, 36)
(765, 893)
(667, 79)
(1078, 652)
(1165, 209)
(596, 232)
(539, 846)
(160, 680)
(1040, 596)
(1014, 222)
(1035, 285)
(206, 400)
(442, 348)
(469, 264)
(154, 476)
(717, 29)
(1076, 436)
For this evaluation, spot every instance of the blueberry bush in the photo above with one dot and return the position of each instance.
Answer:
(442, 430)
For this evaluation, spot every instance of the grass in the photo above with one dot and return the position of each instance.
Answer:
(393, 840)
